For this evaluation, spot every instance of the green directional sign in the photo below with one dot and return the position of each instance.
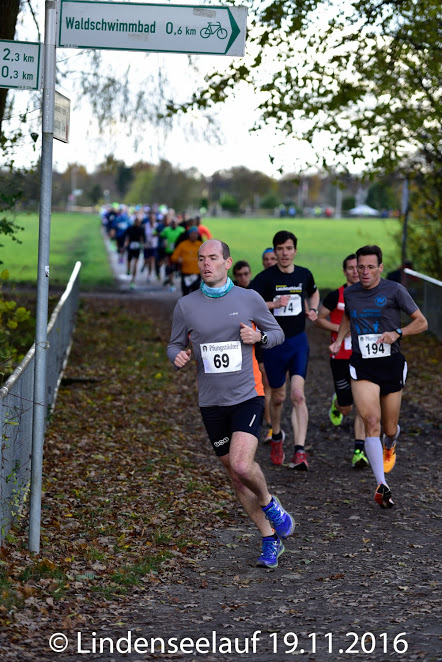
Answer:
(20, 65)
(202, 29)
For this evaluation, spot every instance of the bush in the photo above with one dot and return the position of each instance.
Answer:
(229, 203)
(16, 333)
(269, 201)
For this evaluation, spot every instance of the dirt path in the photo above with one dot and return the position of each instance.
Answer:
(350, 567)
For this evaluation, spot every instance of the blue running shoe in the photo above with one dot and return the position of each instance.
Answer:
(271, 551)
(282, 521)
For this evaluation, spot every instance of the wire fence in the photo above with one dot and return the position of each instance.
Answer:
(17, 405)
(426, 291)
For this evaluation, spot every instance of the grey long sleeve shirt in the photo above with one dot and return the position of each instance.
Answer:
(228, 372)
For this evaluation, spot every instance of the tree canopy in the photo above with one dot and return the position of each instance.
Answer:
(365, 73)
(363, 77)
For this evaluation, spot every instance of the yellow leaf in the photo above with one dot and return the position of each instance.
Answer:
(48, 564)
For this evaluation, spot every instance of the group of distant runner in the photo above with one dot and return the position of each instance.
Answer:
(165, 241)
(248, 339)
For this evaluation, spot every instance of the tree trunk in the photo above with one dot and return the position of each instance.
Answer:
(8, 19)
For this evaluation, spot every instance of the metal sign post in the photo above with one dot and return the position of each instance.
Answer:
(41, 342)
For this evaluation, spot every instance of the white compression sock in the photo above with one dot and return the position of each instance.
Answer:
(373, 450)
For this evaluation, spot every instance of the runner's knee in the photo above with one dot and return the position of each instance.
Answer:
(298, 397)
(277, 398)
(240, 469)
(372, 424)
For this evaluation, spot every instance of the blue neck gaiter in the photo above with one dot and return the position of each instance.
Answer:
(216, 292)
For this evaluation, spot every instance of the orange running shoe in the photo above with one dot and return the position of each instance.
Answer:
(389, 458)
(390, 453)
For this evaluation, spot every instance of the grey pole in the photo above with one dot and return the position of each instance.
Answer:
(41, 344)
(405, 208)
(338, 209)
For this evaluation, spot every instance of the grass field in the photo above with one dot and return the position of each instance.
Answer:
(322, 245)
(74, 236)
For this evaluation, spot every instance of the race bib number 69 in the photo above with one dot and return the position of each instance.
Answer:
(221, 357)
(371, 349)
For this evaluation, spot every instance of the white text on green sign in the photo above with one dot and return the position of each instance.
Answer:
(162, 28)
(20, 64)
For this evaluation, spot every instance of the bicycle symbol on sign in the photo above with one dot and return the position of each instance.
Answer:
(213, 28)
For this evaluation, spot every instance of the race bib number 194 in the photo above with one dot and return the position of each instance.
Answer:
(221, 357)
(371, 349)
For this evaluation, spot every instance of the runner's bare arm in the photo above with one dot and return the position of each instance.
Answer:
(280, 302)
(323, 323)
(313, 304)
(344, 329)
(418, 325)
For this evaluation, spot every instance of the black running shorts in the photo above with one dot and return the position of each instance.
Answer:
(389, 373)
(341, 376)
(133, 254)
(222, 422)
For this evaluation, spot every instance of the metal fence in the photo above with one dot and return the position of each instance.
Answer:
(426, 291)
(16, 405)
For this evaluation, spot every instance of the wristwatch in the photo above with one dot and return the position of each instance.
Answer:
(399, 332)
(264, 339)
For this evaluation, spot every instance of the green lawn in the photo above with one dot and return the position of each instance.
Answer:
(74, 236)
(322, 243)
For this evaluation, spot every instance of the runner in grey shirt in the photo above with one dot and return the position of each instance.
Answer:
(223, 323)
(374, 311)
(228, 372)
(377, 368)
